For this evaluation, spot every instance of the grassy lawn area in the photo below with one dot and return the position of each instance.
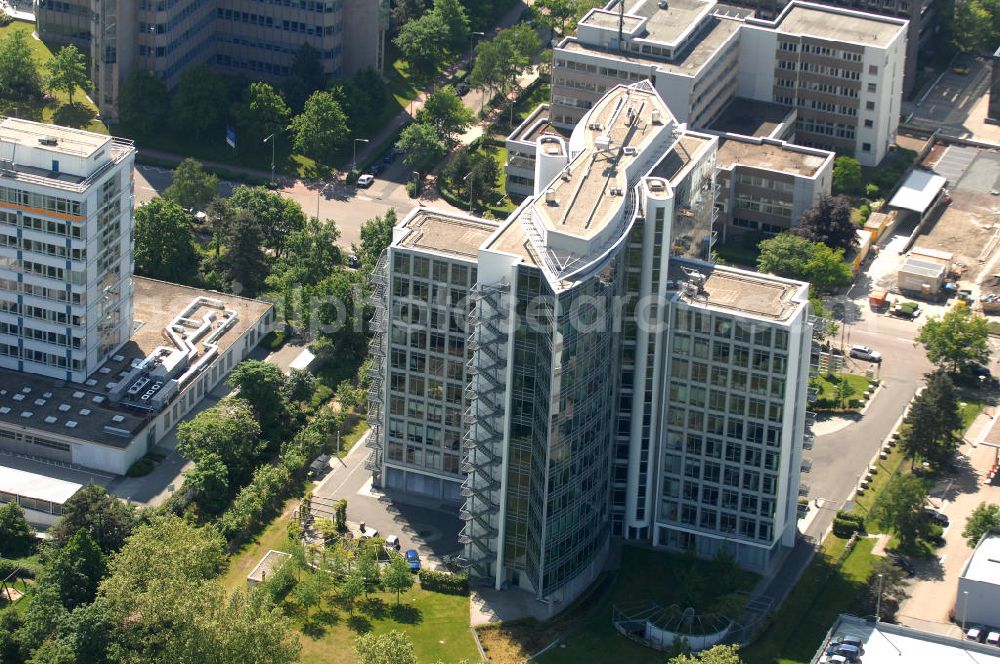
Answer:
(828, 384)
(534, 95)
(645, 575)
(970, 409)
(496, 200)
(887, 469)
(80, 115)
(349, 439)
(823, 592)
(737, 254)
(438, 624)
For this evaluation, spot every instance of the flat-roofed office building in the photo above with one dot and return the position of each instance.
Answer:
(842, 70)
(590, 331)
(247, 37)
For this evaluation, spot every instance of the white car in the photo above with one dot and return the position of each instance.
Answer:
(866, 353)
(366, 180)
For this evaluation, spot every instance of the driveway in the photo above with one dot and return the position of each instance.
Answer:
(428, 526)
(949, 102)
(934, 590)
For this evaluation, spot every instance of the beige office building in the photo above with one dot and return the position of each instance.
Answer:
(249, 37)
(841, 70)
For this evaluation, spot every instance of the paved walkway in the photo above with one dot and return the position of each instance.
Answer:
(20, 14)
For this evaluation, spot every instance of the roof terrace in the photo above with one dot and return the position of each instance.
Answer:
(738, 290)
(444, 232)
(771, 156)
(829, 23)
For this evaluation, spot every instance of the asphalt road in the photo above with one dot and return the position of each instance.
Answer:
(948, 102)
(346, 205)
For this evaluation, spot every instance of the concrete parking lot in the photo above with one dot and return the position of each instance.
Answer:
(428, 526)
(933, 591)
(950, 100)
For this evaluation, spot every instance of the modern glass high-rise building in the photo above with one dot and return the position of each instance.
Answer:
(592, 324)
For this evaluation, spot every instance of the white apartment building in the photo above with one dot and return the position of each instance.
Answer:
(592, 320)
(65, 248)
(841, 69)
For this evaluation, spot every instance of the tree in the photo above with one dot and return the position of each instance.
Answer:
(210, 480)
(67, 71)
(191, 186)
(195, 107)
(321, 128)
(829, 222)
(17, 538)
(229, 431)
(956, 339)
(447, 113)
(105, 518)
(453, 15)
(976, 25)
(143, 102)
(262, 384)
(376, 236)
(935, 421)
(300, 386)
(900, 509)
(367, 566)
(305, 77)
(556, 13)
(421, 146)
(983, 519)
(45, 613)
(261, 113)
(351, 589)
(348, 396)
(886, 589)
(398, 576)
(423, 43)
(488, 70)
(846, 175)
(19, 77)
(278, 217)
(714, 655)
(245, 264)
(309, 592)
(310, 255)
(76, 570)
(393, 647)
(164, 246)
(404, 11)
(340, 310)
(795, 257)
(517, 46)
(843, 391)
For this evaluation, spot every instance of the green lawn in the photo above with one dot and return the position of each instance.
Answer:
(828, 384)
(887, 469)
(823, 592)
(80, 115)
(970, 409)
(497, 201)
(437, 624)
(648, 575)
(537, 93)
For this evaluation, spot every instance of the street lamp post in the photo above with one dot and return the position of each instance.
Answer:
(878, 600)
(470, 190)
(472, 37)
(354, 161)
(270, 139)
(965, 608)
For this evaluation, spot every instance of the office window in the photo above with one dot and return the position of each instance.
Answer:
(869, 106)
(869, 123)
(866, 147)
(872, 69)
(872, 87)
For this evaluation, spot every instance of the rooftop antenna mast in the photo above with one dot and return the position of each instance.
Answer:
(621, 25)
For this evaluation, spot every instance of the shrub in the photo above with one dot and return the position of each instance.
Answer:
(442, 582)
(843, 528)
(5, 19)
(140, 468)
(851, 516)
(412, 189)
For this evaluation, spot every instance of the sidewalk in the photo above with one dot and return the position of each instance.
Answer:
(176, 158)
(19, 14)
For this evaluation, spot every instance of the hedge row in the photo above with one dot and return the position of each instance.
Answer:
(846, 524)
(272, 484)
(441, 582)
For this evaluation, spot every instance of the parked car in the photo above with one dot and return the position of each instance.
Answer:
(993, 638)
(850, 640)
(904, 564)
(975, 633)
(368, 533)
(849, 652)
(462, 89)
(908, 310)
(353, 261)
(366, 180)
(413, 560)
(320, 466)
(866, 353)
(937, 517)
(392, 542)
(960, 69)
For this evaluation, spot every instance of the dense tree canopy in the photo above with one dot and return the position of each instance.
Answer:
(164, 242)
(723, 654)
(376, 236)
(261, 113)
(245, 264)
(956, 339)
(829, 222)
(277, 216)
(16, 535)
(196, 110)
(105, 517)
(305, 78)
(143, 102)
(421, 146)
(228, 430)
(262, 385)
(191, 186)
(393, 647)
(934, 422)
(846, 175)
(76, 570)
(795, 257)
(321, 129)
(447, 113)
(424, 43)
(19, 77)
(900, 508)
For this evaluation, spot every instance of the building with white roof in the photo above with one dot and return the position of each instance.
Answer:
(978, 599)
(886, 643)
(41, 497)
(587, 369)
(840, 69)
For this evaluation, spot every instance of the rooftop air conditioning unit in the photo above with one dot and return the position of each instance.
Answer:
(47, 140)
(550, 196)
(631, 151)
(663, 4)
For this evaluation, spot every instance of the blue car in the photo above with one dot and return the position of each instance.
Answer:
(413, 560)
